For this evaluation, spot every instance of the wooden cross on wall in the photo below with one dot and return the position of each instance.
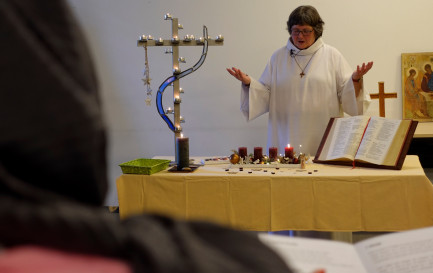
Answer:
(382, 96)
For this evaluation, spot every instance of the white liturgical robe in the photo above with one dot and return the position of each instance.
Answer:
(300, 107)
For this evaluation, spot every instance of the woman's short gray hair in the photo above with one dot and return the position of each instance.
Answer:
(306, 15)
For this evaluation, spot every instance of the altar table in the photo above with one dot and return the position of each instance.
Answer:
(320, 198)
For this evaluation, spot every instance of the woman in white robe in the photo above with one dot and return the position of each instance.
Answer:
(303, 85)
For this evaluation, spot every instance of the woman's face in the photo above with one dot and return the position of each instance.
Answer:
(303, 36)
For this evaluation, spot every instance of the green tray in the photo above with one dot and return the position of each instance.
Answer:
(144, 166)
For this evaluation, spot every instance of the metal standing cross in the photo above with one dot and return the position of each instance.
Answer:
(173, 80)
(382, 96)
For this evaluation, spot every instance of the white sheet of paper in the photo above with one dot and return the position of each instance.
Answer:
(305, 255)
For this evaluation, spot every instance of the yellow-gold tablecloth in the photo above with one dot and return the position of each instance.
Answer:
(321, 198)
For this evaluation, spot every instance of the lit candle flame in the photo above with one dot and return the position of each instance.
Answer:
(288, 145)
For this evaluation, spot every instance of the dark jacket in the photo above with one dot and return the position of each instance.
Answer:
(53, 160)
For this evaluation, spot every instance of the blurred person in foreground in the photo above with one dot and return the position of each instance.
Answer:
(53, 168)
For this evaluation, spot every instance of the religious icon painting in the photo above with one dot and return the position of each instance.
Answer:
(417, 86)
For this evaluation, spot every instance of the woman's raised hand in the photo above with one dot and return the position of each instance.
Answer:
(238, 74)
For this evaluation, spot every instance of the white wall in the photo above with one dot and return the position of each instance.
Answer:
(363, 31)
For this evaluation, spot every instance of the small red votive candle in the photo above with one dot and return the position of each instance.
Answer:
(273, 153)
(242, 151)
(288, 151)
(258, 153)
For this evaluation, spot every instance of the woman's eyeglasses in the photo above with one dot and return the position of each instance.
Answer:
(305, 32)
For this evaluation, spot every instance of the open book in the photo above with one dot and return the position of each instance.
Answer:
(366, 141)
(402, 252)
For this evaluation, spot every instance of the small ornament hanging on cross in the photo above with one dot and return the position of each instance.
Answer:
(147, 78)
(382, 96)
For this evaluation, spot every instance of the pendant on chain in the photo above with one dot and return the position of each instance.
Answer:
(302, 74)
